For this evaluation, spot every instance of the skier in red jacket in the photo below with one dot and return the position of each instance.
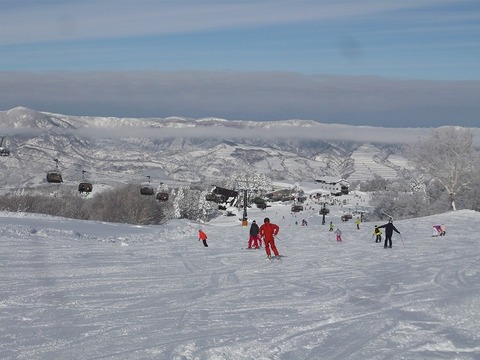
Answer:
(267, 232)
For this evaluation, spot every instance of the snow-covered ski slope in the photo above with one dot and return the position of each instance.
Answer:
(87, 290)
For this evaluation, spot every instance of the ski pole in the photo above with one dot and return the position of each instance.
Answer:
(401, 238)
(384, 213)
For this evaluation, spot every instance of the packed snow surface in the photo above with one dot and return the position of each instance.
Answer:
(89, 290)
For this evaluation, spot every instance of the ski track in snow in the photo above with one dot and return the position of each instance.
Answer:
(85, 290)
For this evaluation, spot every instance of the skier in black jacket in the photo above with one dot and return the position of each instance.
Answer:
(254, 237)
(389, 229)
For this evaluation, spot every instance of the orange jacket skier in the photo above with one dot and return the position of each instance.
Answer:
(202, 236)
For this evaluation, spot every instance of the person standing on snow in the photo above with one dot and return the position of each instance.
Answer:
(267, 231)
(331, 226)
(378, 233)
(358, 221)
(254, 231)
(389, 229)
(338, 232)
(202, 236)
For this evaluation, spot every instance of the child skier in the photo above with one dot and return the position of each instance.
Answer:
(254, 237)
(338, 232)
(437, 230)
(331, 226)
(358, 222)
(378, 233)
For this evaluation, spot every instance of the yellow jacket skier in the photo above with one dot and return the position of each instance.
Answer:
(378, 233)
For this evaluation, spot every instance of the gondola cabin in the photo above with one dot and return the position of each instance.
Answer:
(324, 211)
(297, 208)
(346, 216)
(85, 187)
(147, 190)
(162, 196)
(54, 177)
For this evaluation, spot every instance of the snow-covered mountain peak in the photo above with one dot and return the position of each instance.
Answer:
(28, 118)
(187, 149)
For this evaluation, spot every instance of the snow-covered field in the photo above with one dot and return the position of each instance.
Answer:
(84, 290)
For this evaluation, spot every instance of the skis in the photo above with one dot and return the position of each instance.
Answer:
(279, 257)
(273, 257)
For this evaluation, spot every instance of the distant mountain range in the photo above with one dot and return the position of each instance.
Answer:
(124, 150)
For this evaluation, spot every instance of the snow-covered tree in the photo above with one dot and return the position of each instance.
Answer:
(253, 182)
(449, 158)
(206, 208)
(190, 203)
(470, 198)
(378, 183)
(177, 199)
(399, 201)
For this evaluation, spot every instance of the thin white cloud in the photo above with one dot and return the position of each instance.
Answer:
(43, 21)
(275, 132)
(232, 131)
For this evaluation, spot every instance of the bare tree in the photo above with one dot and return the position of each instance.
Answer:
(127, 205)
(449, 158)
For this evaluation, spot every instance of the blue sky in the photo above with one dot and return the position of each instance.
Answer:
(222, 57)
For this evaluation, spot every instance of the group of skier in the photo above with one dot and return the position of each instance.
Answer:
(389, 229)
(268, 230)
(338, 232)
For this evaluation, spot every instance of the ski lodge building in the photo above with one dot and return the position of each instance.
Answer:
(335, 185)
